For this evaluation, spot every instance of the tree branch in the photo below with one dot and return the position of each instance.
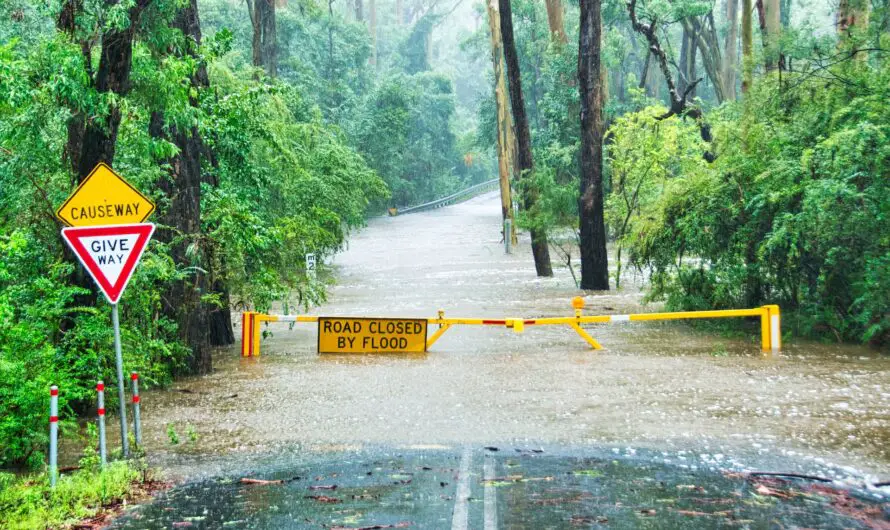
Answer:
(680, 106)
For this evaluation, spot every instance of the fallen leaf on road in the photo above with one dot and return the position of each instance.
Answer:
(260, 482)
(763, 490)
(701, 514)
(323, 498)
(374, 527)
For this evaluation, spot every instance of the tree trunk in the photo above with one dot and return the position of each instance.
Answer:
(505, 124)
(400, 12)
(540, 249)
(264, 42)
(372, 29)
(256, 10)
(359, 11)
(594, 258)
(688, 54)
(731, 49)
(747, 45)
(703, 31)
(786, 14)
(556, 22)
(115, 64)
(181, 221)
(772, 31)
(270, 40)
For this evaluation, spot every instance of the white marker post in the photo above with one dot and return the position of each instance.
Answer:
(310, 266)
(508, 236)
(137, 426)
(100, 390)
(53, 434)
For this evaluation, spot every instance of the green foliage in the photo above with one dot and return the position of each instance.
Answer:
(171, 434)
(404, 131)
(28, 502)
(794, 211)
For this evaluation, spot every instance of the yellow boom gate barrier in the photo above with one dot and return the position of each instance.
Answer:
(394, 334)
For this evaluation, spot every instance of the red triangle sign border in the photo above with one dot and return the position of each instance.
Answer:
(112, 291)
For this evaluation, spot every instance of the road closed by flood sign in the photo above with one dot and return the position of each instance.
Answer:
(371, 335)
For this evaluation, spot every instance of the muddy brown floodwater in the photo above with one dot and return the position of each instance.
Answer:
(695, 397)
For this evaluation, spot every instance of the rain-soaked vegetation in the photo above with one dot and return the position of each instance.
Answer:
(689, 154)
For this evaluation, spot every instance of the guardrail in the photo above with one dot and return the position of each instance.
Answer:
(454, 198)
(769, 316)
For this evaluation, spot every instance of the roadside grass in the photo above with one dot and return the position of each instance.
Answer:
(28, 502)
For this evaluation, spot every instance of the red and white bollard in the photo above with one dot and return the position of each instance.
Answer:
(53, 434)
(100, 389)
(137, 428)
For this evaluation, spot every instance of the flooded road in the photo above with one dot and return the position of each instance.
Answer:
(687, 396)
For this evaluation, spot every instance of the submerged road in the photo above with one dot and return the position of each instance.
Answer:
(683, 399)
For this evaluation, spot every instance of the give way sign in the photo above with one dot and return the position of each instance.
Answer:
(109, 253)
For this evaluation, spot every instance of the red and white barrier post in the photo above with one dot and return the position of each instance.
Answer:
(53, 434)
(137, 428)
(100, 389)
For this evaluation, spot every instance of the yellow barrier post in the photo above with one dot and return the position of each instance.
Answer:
(764, 329)
(578, 305)
(246, 332)
(443, 327)
(775, 328)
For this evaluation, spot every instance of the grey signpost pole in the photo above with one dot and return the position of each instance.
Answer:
(119, 360)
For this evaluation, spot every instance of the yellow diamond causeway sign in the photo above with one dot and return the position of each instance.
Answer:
(105, 198)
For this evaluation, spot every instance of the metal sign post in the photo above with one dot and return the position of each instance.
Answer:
(119, 364)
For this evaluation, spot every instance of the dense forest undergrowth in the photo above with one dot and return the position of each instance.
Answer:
(735, 170)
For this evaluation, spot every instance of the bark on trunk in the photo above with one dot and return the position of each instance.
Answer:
(731, 49)
(594, 259)
(540, 250)
(115, 64)
(264, 42)
(556, 21)
(772, 31)
(270, 40)
(505, 124)
(747, 45)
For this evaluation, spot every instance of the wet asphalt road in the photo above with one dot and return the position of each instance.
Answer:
(679, 398)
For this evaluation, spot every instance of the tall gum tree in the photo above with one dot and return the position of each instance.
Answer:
(540, 249)
(594, 257)
(181, 223)
(556, 21)
(265, 39)
(747, 45)
(731, 49)
(772, 33)
(506, 139)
